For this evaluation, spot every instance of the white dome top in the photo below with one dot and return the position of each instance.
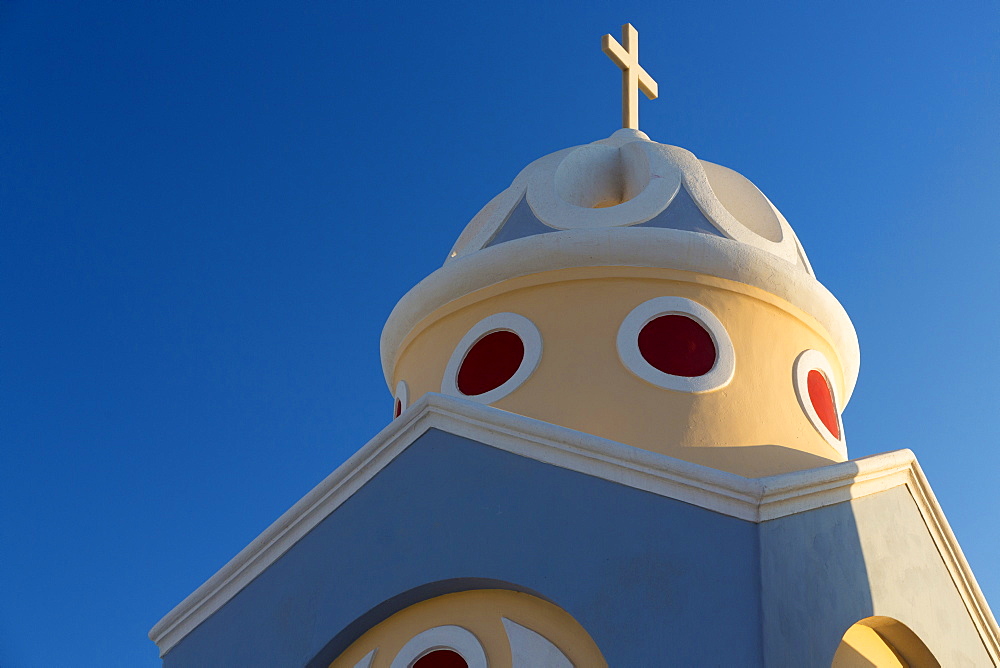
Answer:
(627, 180)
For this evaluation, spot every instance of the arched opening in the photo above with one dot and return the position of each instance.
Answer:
(475, 629)
(882, 642)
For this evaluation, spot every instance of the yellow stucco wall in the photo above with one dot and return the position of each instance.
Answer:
(754, 426)
(481, 612)
(862, 647)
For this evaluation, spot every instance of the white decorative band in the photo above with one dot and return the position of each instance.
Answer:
(454, 638)
(626, 247)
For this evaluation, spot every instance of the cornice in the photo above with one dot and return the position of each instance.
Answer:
(754, 500)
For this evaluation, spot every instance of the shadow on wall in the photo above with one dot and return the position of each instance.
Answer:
(763, 460)
(388, 608)
(814, 584)
(475, 628)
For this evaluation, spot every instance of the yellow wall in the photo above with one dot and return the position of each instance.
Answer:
(862, 647)
(754, 426)
(479, 611)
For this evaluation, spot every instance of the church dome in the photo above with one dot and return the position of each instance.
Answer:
(627, 180)
(627, 289)
(629, 201)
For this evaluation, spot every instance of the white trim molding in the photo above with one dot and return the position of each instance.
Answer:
(626, 248)
(628, 345)
(455, 638)
(809, 360)
(525, 330)
(750, 499)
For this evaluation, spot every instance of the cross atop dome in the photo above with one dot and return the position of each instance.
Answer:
(634, 78)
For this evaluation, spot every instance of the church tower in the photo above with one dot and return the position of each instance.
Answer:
(616, 441)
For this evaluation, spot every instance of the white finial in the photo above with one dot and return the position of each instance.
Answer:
(634, 78)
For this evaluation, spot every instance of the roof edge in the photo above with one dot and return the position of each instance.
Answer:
(749, 499)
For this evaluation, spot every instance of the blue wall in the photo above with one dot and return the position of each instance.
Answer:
(645, 575)
(656, 582)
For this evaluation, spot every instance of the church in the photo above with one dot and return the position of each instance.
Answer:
(616, 440)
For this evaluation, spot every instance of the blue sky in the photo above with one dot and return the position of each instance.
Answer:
(207, 211)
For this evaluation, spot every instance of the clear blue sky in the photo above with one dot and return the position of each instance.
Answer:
(207, 211)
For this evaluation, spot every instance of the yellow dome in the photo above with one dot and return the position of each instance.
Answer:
(587, 248)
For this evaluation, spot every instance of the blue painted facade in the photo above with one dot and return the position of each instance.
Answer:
(630, 566)
(655, 581)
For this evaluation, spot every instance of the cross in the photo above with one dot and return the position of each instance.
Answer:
(634, 78)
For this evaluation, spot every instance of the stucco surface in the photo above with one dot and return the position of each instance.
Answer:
(753, 426)
(653, 580)
(824, 570)
(521, 223)
(637, 571)
(481, 612)
(682, 214)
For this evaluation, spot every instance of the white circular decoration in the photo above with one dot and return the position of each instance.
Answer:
(585, 188)
(530, 337)
(454, 638)
(628, 345)
(402, 396)
(804, 363)
(747, 204)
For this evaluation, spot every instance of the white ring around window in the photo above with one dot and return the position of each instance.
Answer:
(804, 363)
(530, 337)
(628, 345)
(402, 396)
(454, 638)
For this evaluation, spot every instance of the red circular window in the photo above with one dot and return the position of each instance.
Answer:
(397, 408)
(441, 658)
(677, 345)
(822, 401)
(491, 362)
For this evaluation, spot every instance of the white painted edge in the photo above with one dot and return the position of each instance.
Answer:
(951, 553)
(756, 500)
(530, 649)
(804, 363)
(530, 337)
(628, 345)
(366, 660)
(402, 395)
(627, 247)
(450, 637)
(485, 224)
